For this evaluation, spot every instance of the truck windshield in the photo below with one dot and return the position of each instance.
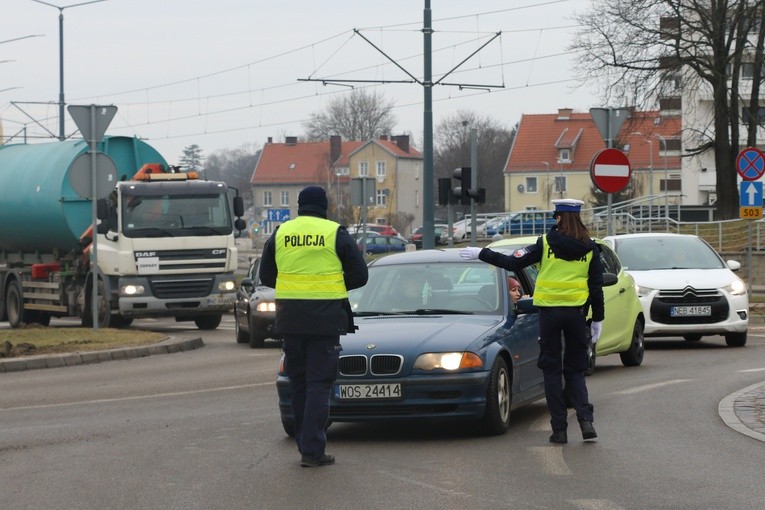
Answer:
(175, 215)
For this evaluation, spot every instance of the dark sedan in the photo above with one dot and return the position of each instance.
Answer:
(254, 309)
(438, 337)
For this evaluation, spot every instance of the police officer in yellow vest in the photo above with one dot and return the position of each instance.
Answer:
(570, 279)
(312, 263)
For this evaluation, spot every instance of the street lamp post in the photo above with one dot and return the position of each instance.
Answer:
(61, 103)
(549, 186)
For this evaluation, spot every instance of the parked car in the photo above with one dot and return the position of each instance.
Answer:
(254, 309)
(461, 230)
(382, 244)
(624, 318)
(438, 338)
(521, 223)
(685, 287)
(416, 237)
(383, 230)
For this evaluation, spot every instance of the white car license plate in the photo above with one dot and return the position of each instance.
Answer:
(367, 391)
(690, 311)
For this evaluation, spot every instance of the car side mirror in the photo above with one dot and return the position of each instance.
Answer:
(246, 283)
(733, 265)
(609, 279)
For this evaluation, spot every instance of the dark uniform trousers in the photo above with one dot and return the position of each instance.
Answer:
(311, 363)
(566, 359)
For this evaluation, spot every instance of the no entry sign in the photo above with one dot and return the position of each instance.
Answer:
(610, 170)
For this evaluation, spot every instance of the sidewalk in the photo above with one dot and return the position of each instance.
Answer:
(168, 346)
(744, 411)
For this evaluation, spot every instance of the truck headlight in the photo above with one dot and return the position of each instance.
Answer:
(227, 286)
(131, 290)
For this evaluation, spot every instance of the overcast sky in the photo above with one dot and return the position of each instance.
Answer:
(225, 73)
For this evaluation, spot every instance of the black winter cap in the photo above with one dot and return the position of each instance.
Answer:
(313, 199)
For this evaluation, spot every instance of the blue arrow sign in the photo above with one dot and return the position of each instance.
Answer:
(750, 193)
(278, 215)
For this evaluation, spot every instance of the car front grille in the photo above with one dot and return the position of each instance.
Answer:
(689, 296)
(378, 364)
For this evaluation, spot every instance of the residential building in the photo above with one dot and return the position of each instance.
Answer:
(551, 155)
(284, 169)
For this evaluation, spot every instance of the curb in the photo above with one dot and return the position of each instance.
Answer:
(743, 411)
(167, 346)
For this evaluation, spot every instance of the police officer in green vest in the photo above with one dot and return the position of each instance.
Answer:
(570, 279)
(312, 263)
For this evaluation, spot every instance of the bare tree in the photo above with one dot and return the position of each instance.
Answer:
(358, 115)
(234, 167)
(452, 150)
(641, 51)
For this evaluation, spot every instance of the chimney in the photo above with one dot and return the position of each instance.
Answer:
(290, 140)
(383, 137)
(335, 148)
(564, 113)
(403, 142)
(270, 139)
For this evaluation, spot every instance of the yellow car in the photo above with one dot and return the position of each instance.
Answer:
(624, 320)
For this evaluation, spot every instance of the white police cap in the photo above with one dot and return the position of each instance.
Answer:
(567, 205)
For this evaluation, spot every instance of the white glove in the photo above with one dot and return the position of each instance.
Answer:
(595, 329)
(470, 253)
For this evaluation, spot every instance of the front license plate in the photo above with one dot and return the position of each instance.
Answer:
(367, 391)
(690, 311)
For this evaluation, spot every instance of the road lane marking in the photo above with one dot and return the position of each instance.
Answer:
(752, 370)
(595, 504)
(139, 397)
(647, 387)
(551, 458)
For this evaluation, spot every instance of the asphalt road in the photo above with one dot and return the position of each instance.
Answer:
(200, 430)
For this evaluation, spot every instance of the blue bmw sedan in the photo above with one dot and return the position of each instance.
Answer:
(438, 337)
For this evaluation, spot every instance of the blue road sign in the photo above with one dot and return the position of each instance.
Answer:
(278, 214)
(750, 193)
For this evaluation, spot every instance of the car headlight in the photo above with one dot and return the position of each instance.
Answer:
(447, 361)
(642, 290)
(227, 286)
(266, 306)
(737, 287)
(131, 290)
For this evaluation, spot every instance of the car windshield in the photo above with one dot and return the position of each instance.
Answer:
(428, 288)
(666, 252)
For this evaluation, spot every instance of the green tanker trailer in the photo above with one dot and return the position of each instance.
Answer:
(165, 245)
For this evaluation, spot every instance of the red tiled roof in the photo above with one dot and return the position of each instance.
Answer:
(537, 136)
(301, 162)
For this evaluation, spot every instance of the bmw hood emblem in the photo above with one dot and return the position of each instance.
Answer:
(371, 346)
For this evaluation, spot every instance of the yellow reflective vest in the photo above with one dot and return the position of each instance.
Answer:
(561, 282)
(308, 264)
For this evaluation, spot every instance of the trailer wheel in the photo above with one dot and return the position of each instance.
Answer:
(14, 302)
(207, 322)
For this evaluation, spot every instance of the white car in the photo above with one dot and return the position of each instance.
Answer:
(685, 287)
(461, 230)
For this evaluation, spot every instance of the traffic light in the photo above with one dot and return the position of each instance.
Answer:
(462, 191)
(445, 196)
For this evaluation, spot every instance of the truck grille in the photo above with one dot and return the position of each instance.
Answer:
(175, 288)
(187, 259)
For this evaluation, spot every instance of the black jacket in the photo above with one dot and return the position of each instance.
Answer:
(317, 316)
(564, 247)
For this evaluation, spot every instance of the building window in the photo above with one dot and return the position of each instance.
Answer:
(363, 169)
(267, 199)
(760, 114)
(284, 198)
(381, 197)
(531, 184)
(342, 171)
(381, 169)
(560, 184)
(565, 155)
(673, 184)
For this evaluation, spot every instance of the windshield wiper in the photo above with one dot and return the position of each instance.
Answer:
(371, 314)
(430, 311)
(151, 232)
(201, 229)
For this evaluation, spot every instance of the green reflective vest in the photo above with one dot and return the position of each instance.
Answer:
(308, 265)
(561, 282)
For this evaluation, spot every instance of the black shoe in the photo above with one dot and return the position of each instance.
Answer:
(559, 437)
(588, 431)
(324, 460)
